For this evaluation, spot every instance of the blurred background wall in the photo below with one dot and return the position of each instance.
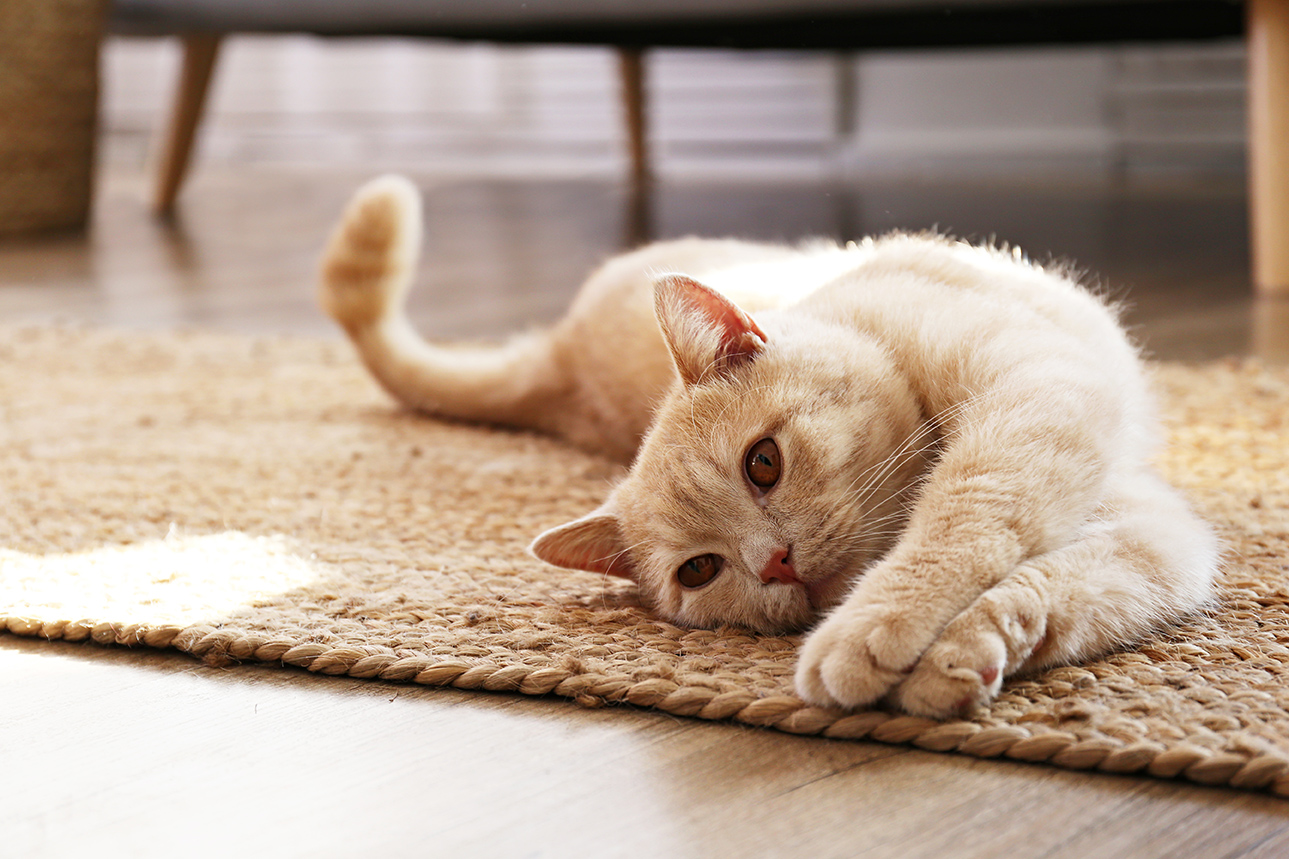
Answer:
(1080, 114)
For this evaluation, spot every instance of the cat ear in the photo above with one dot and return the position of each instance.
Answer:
(593, 543)
(705, 331)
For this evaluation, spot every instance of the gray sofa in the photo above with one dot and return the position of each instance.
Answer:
(634, 26)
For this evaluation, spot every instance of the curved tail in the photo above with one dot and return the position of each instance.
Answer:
(367, 269)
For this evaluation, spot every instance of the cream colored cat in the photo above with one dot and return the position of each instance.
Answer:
(940, 450)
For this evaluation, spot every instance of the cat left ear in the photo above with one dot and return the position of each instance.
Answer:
(705, 331)
(593, 543)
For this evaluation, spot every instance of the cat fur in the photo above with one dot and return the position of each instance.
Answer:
(965, 492)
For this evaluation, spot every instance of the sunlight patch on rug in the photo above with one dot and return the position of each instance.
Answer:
(159, 586)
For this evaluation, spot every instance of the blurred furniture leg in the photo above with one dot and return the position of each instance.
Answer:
(845, 194)
(173, 148)
(631, 70)
(1268, 41)
(841, 24)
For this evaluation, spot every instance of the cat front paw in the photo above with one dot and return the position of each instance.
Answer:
(857, 655)
(953, 677)
(967, 664)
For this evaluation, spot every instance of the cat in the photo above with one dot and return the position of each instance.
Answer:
(937, 454)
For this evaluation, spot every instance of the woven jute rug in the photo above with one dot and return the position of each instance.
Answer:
(259, 500)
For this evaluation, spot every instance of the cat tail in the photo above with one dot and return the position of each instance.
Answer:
(367, 269)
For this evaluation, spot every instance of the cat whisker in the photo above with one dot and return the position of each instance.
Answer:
(872, 531)
(941, 429)
(939, 434)
(711, 430)
(903, 450)
(869, 532)
(610, 560)
(886, 468)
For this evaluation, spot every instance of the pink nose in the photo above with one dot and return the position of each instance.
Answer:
(779, 568)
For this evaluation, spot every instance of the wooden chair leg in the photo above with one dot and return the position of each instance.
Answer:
(172, 150)
(1269, 144)
(631, 71)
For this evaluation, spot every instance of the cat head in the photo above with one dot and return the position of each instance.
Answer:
(780, 464)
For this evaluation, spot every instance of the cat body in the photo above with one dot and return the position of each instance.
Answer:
(937, 453)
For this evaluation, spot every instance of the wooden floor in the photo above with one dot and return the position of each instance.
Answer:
(138, 753)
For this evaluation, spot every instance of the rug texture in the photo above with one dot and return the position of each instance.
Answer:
(260, 500)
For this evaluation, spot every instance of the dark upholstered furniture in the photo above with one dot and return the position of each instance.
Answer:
(703, 23)
(633, 26)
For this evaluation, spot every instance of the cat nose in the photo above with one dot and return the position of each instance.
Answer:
(779, 568)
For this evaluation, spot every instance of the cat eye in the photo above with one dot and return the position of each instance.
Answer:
(697, 572)
(763, 463)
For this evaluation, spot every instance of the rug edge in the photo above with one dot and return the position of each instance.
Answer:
(1255, 772)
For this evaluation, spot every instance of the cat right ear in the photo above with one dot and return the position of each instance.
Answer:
(593, 543)
(706, 332)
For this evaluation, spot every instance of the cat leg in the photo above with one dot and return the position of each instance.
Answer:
(1025, 463)
(1147, 563)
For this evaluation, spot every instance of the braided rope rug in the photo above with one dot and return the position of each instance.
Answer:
(243, 499)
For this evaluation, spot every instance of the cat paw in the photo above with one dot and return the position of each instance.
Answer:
(967, 664)
(953, 677)
(857, 655)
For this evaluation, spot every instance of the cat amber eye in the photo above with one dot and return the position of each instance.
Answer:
(763, 463)
(697, 572)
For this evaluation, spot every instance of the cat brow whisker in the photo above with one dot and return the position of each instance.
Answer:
(711, 429)
(605, 576)
(611, 559)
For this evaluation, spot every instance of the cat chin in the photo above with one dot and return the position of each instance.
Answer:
(789, 610)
